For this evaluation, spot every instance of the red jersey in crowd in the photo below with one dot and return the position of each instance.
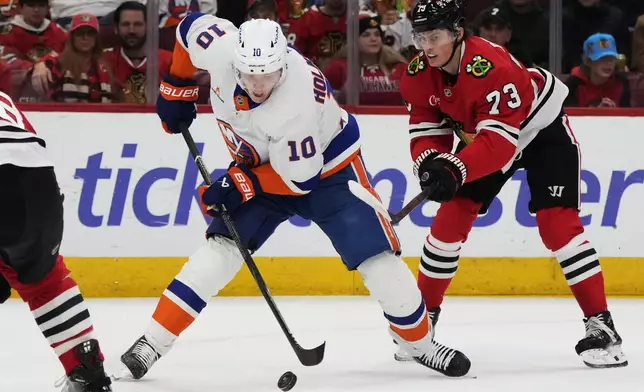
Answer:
(318, 36)
(494, 105)
(376, 88)
(131, 77)
(33, 43)
(584, 93)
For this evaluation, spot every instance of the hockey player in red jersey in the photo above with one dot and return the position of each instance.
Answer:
(31, 230)
(506, 117)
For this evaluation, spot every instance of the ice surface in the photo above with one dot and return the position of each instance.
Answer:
(515, 344)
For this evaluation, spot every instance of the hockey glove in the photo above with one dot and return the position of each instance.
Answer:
(176, 103)
(231, 190)
(443, 172)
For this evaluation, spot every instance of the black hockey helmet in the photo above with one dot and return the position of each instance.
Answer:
(438, 14)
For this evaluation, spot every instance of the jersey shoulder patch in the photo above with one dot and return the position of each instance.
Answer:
(417, 65)
(479, 67)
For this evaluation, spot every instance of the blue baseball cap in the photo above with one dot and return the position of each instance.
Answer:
(600, 45)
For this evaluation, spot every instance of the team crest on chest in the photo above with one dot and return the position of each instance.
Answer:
(416, 65)
(479, 67)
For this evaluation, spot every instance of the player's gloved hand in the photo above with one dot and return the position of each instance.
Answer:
(443, 172)
(176, 103)
(231, 190)
(5, 289)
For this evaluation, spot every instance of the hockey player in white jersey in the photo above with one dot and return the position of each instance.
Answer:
(294, 150)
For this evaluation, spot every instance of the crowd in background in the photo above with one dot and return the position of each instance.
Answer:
(96, 50)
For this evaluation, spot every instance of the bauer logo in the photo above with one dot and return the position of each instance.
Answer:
(167, 196)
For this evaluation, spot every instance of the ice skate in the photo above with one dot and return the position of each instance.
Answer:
(139, 358)
(445, 360)
(401, 355)
(602, 345)
(89, 376)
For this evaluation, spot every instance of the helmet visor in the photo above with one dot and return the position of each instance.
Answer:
(432, 38)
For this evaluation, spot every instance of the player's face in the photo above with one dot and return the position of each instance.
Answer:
(131, 29)
(370, 42)
(437, 45)
(259, 87)
(604, 67)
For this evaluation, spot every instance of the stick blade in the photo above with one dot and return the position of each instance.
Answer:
(310, 357)
(363, 194)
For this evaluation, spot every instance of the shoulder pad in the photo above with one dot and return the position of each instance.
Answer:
(416, 65)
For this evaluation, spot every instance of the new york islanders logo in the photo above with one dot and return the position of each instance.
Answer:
(240, 150)
(479, 67)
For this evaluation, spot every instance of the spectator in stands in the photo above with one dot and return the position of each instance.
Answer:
(128, 61)
(5, 79)
(79, 73)
(395, 25)
(381, 69)
(262, 9)
(8, 9)
(321, 32)
(596, 83)
(493, 25)
(637, 63)
(583, 18)
(530, 27)
(172, 11)
(62, 11)
(30, 34)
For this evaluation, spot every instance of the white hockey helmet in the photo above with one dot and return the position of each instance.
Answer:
(261, 48)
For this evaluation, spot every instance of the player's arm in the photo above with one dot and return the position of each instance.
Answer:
(500, 112)
(202, 42)
(429, 132)
(296, 159)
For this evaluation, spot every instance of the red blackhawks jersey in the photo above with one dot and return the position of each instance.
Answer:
(494, 105)
(33, 43)
(19, 144)
(318, 36)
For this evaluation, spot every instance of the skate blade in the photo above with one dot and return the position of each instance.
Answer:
(123, 374)
(403, 357)
(611, 357)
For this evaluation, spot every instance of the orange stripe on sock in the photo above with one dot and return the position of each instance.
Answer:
(171, 317)
(413, 334)
(361, 173)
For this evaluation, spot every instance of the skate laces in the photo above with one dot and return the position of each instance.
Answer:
(144, 352)
(595, 325)
(440, 357)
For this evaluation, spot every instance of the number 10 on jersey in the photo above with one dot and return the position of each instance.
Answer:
(305, 149)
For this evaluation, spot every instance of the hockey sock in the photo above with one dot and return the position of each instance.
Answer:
(563, 233)
(60, 312)
(441, 251)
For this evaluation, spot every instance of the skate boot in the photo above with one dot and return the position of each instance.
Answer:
(89, 376)
(602, 345)
(445, 360)
(140, 358)
(401, 355)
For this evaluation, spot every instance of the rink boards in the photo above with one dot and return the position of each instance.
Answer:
(132, 216)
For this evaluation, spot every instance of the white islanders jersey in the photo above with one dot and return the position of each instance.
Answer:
(300, 131)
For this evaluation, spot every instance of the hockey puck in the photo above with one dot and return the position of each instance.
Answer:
(287, 381)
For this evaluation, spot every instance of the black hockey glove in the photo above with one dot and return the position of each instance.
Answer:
(443, 172)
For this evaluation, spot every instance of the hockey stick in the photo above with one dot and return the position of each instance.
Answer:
(307, 357)
(363, 194)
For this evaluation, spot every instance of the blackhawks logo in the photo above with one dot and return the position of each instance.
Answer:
(416, 65)
(479, 67)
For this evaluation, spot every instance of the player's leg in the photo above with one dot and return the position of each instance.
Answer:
(31, 221)
(553, 165)
(367, 242)
(205, 273)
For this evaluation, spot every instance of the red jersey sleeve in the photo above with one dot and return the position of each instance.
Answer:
(505, 101)
(165, 61)
(427, 127)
